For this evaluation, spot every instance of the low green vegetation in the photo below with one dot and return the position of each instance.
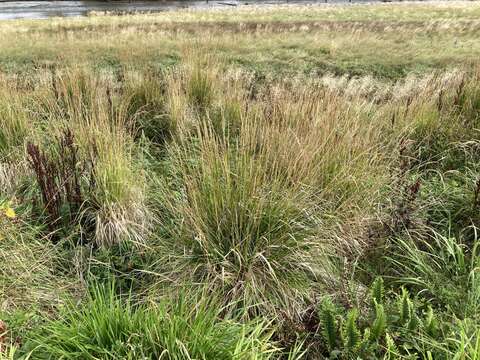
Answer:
(250, 190)
(108, 327)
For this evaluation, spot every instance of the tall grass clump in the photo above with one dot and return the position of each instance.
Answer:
(257, 187)
(119, 200)
(106, 326)
(14, 123)
(439, 115)
(147, 104)
(190, 91)
(317, 138)
(200, 82)
(108, 177)
(329, 148)
(234, 226)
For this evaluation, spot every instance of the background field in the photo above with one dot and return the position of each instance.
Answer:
(386, 40)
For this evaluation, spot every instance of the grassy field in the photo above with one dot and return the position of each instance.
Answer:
(387, 41)
(291, 182)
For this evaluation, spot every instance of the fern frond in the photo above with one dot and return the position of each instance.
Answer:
(431, 324)
(380, 323)
(329, 326)
(377, 291)
(351, 333)
(365, 346)
(404, 307)
(391, 352)
(414, 322)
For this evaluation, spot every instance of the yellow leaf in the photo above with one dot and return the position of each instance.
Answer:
(10, 213)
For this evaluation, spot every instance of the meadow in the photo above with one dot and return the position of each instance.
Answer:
(284, 182)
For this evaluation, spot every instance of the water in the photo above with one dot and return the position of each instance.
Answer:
(45, 9)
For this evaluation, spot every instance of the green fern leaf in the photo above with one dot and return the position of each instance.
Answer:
(377, 291)
(391, 349)
(414, 322)
(380, 323)
(404, 307)
(329, 328)
(431, 323)
(351, 334)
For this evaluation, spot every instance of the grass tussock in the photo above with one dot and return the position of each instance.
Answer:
(15, 127)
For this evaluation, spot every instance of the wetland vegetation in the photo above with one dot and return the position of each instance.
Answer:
(285, 182)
